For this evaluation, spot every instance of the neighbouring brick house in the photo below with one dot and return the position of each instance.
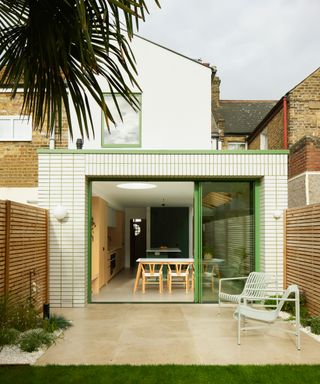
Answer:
(235, 120)
(294, 123)
(19, 143)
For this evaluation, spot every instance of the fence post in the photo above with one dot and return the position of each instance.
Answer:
(7, 247)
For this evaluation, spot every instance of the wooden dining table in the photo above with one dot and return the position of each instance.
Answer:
(158, 261)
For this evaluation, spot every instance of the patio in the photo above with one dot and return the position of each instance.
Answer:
(170, 334)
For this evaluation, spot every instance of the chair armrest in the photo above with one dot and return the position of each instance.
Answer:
(229, 279)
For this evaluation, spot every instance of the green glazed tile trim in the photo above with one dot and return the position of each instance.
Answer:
(160, 152)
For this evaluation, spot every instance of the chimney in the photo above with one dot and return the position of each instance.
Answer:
(215, 91)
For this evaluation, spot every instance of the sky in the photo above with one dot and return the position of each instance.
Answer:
(261, 48)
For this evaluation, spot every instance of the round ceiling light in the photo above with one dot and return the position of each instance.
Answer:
(136, 186)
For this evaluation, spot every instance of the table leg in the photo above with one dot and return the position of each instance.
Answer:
(136, 283)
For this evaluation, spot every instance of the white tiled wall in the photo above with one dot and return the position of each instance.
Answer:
(62, 181)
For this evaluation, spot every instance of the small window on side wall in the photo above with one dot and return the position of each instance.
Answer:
(237, 146)
(264, 139)
(15, 128)
(125, 132)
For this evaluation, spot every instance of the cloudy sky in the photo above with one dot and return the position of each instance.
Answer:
(262, 48)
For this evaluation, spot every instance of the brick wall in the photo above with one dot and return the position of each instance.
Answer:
(19, 159)
(304, 156)
(304, 109)
(255, 143)
(275, 131)
(274, 128)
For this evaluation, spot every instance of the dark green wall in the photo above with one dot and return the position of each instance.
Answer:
(170, 228)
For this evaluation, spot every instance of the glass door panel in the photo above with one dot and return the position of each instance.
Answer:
(227, 235)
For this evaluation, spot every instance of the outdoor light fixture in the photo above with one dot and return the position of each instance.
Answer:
(136, 186)
(277, 214)
(59, 212)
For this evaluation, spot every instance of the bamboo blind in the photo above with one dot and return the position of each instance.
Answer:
(23, 251)
(302, 265)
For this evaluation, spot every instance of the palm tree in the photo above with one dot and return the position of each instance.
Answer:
(52, 47)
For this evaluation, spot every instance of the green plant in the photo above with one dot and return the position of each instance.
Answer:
(33, 339)
(289, 306)
(208, 249)
(305, 321)
(18, 314)
(54, 323)
(315, 325)
(8, 336)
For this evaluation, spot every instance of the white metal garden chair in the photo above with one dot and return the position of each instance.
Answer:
(255, 286)
(246, 310)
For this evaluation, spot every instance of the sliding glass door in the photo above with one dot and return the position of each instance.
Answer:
(227, 234)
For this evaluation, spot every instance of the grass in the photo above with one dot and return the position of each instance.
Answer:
(152, 374)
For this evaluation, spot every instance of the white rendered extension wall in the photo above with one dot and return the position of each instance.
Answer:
(176, 98)
(62, 180)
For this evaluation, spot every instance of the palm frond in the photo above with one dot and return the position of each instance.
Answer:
(52, 48)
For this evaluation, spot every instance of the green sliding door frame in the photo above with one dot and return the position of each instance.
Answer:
(197, 227)
(89, 189)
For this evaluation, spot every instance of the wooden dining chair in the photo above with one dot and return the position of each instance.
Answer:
(152, 274)
(178, 273)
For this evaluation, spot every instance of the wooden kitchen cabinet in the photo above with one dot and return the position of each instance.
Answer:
(106, 242)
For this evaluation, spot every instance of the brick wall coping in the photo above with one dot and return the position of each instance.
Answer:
(303, 142)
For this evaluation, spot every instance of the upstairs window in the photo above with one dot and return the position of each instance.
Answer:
(126, 132)
(264, 139)
(237, 146)
(15, 128)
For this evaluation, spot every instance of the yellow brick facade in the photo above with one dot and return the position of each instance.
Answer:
(304, 109)
(19, 159)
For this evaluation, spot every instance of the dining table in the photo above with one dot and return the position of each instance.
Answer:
(158, 261)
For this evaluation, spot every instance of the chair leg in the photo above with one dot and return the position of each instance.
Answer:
(169, 283)
(160, 284)
(187, 283)
(143, 284)
(239, 328)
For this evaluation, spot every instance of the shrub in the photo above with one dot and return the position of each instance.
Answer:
(315, 325)
(289, 306)
(17, 314)
(8, 336)
(54, 323)
(33, 339)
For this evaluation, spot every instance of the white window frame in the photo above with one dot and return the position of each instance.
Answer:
(264, 139)
(238, 143)
(27, 135)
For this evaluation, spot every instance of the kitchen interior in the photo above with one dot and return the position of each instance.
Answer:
(127, 220)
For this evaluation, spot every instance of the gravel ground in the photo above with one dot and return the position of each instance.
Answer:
(14, 355)
(11, 354)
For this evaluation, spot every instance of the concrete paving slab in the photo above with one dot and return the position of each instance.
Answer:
(171, 334)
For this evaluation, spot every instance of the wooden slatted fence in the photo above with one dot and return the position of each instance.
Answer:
(23, 252)
(302, 252)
